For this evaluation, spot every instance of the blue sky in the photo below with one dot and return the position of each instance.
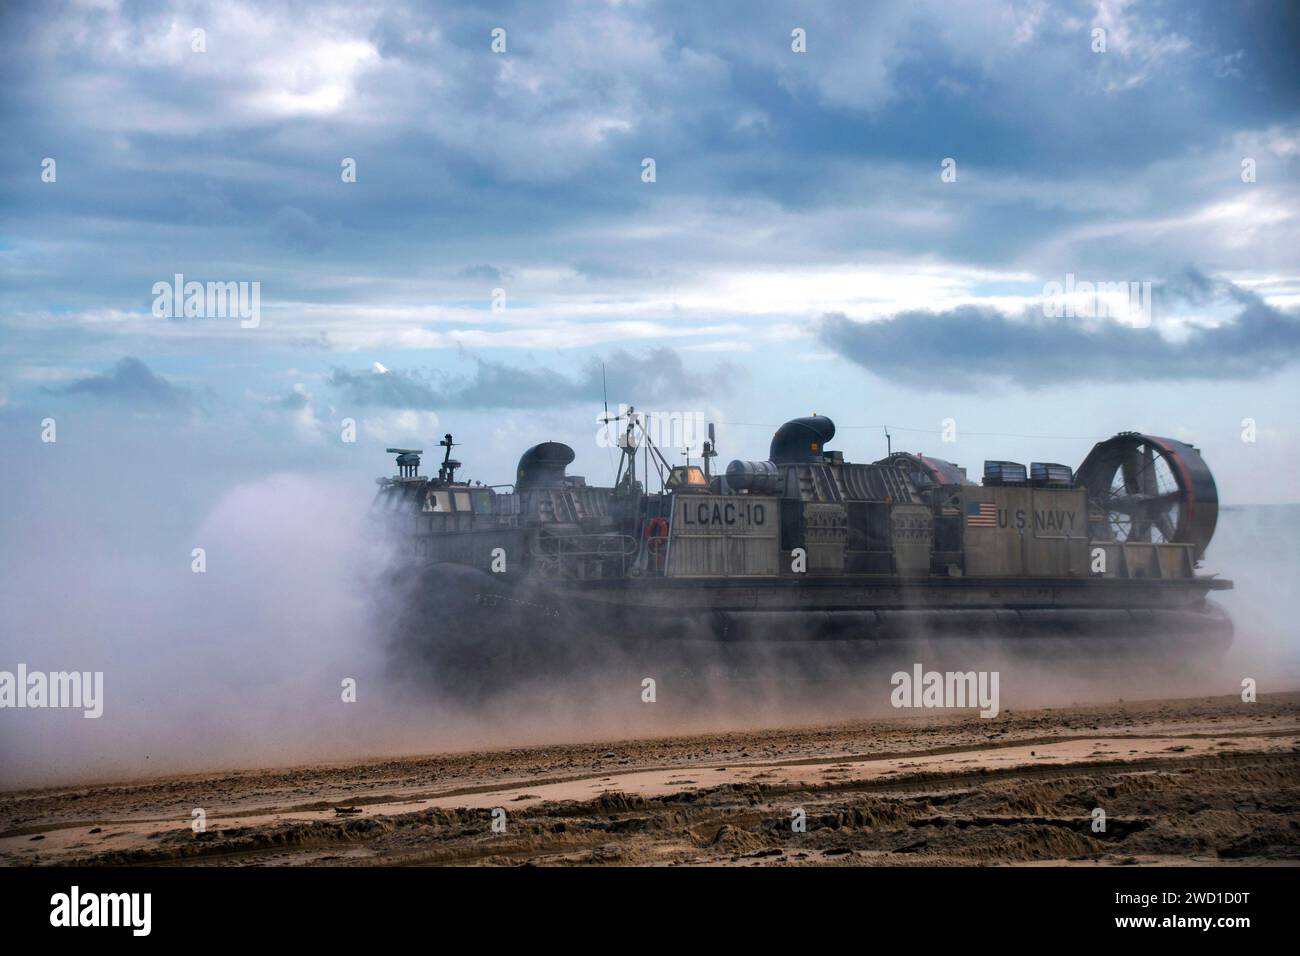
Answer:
(798, 250)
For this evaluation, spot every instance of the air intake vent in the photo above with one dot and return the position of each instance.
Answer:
(542, 466)
(802, 441)
(1004, 473)
(1046, 474)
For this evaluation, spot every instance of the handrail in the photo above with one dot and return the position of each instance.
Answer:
(627, 545)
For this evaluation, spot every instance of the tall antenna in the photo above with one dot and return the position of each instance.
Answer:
(604, 392)
(660, 463)
(447, 470)
(628, 443)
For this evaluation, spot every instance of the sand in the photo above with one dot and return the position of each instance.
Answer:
(1202, 780)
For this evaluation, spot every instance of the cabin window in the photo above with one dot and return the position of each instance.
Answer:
(482, 503)
(441, 501)
(462, 501)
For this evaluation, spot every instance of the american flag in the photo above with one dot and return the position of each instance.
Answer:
(981, 514)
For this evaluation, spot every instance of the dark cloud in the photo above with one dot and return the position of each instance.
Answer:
(967, 347)
(320, 342)
(130, 382)
(599, 269)
(293, 401)
(655, 374)
(300, 230)
(483, 271)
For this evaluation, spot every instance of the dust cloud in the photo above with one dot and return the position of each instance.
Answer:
(244, 664)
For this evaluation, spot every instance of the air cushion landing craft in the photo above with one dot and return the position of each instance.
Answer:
(805, 546)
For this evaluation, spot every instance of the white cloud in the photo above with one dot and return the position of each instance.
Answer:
(1135, 47)
(405, 427)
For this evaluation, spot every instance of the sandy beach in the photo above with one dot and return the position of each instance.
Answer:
(1197, 780)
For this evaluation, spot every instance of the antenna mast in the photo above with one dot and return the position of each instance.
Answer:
(447, 470)
(627, 444)
(710, 451)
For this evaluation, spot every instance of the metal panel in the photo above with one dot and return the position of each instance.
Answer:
(1025, 531)
(714, 536)
(825, 536)
(912, 530)
(1139, 559)
(861, 483)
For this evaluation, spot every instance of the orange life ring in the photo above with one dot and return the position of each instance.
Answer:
(656, 536)
(656, 530)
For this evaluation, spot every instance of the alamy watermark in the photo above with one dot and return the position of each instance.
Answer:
(669, 431)
(1125, 302)
(954, 689)
(179, 299)
(72, 689)
(75, 908)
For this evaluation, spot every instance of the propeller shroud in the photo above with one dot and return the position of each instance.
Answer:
(1150, 489)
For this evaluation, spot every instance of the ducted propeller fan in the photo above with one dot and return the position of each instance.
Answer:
(1143, 488)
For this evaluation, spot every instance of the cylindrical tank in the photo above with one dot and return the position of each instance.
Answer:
(756, 477)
